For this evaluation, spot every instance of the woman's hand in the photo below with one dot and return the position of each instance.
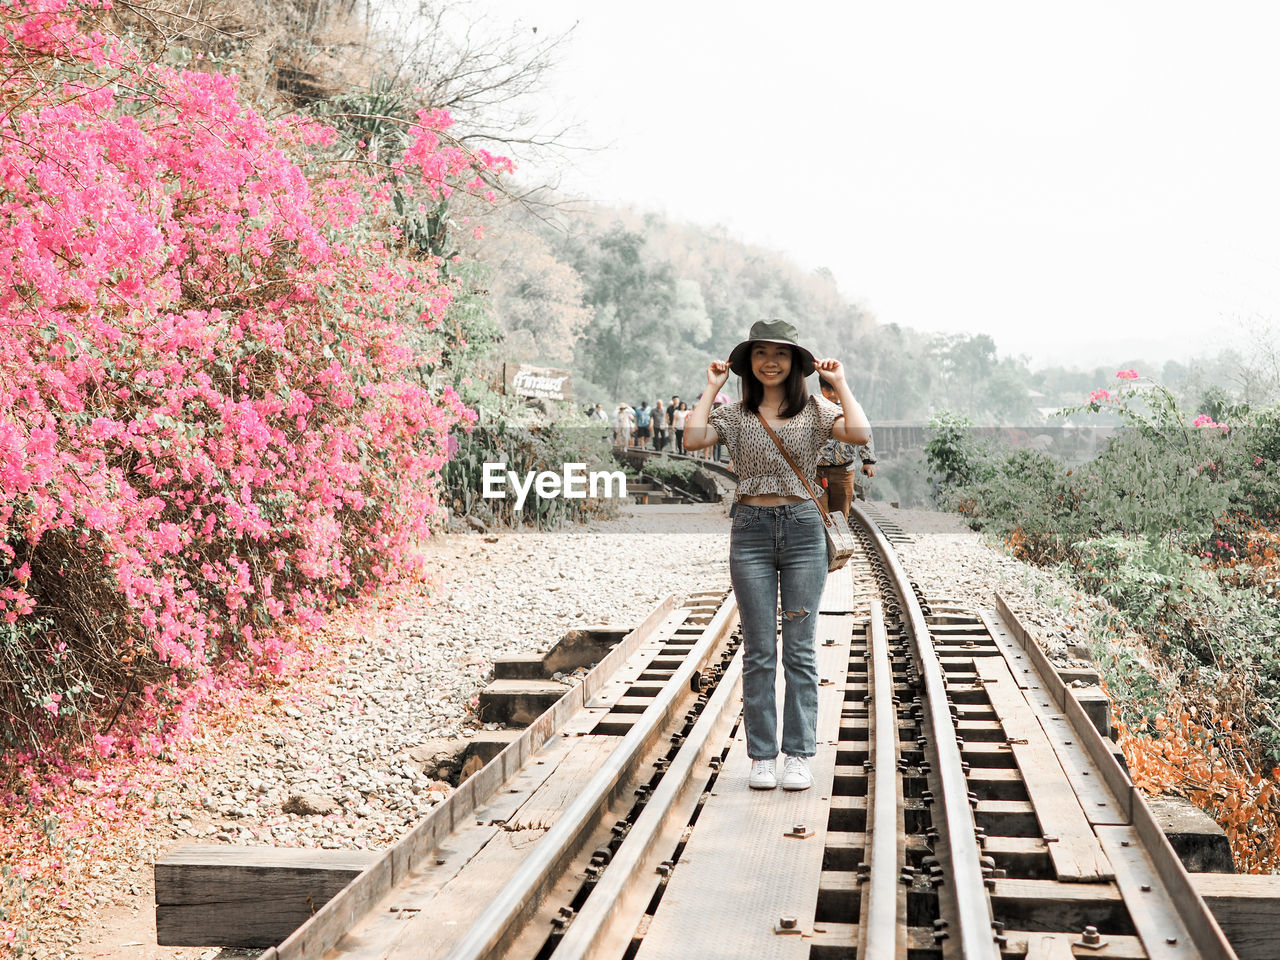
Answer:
(830, 370)
(717, 375)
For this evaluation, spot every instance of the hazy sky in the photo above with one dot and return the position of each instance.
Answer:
(1083, 181)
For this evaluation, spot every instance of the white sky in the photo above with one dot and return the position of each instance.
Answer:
(1086, 182)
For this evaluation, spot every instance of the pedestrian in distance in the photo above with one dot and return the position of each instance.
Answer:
(659, 426)
(678, 417)
(778, 542)
(623, 423)
(643, 418)
(836, 463)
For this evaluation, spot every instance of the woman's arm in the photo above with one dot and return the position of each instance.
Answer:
(852, 425)
(697, 435)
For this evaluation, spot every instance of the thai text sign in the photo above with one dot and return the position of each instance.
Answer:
(522, 380)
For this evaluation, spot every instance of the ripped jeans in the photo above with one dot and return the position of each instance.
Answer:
(771, 547)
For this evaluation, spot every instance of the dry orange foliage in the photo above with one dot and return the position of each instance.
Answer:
(1208, 764)
(1259, 561)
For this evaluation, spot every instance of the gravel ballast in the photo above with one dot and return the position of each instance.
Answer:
(340, 751)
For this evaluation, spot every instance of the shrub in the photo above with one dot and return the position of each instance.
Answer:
(952, 452)
(211, 422)
(524, 447)
(671, 470)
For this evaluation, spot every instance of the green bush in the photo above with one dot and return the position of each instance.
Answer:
(1160, 525)
(669, 470)
(524, 447)
(1260, 465)
(952, 452)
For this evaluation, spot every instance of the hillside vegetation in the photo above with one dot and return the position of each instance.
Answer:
(1176, 524)
(225, 373)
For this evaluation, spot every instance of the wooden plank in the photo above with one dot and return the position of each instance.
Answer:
(1007, 818)
(989, 783)
(415, 887)
(235, 925)
(1051, 946)
(414, 893)
(1152, 905)
(437, 926)
(1077, 855)
(844, 851)
(832, 941)
(739, 867)
(979, 754)
(208, 873)
(1247, 907)
(1105, 792)
(344, 911)
(246, 896)
(1054, 905)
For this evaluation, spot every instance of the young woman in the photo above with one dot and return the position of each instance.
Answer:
(778, 539)
(678, 418)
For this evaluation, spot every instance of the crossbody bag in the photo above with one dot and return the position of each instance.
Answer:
(840, 542)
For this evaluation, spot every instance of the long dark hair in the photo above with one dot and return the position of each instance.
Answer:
(795, 391)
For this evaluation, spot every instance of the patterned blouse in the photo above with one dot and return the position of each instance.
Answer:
(761, 469)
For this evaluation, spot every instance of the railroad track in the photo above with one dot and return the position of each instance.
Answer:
(964, 805)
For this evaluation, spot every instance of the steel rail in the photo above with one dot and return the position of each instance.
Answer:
(623, 883)
(520, 896)
(315, 938)
(879, 933)
(1209, 940)
(972, 936)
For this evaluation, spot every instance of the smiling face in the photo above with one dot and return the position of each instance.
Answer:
(771, 363)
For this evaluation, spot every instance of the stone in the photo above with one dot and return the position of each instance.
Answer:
(309, 805)
(438, 758)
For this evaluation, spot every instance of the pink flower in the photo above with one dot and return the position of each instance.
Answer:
(1204, 420)
(1130, 374)
(1100, 395)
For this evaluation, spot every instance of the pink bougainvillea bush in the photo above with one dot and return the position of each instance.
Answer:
(211, 422)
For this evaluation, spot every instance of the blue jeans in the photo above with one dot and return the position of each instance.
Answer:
(770, 548)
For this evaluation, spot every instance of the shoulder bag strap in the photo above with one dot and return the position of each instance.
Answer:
(786, 456)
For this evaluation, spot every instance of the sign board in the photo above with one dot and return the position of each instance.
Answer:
(522, 380)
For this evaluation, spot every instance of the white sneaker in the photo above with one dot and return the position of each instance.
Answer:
(795, 774)
(762, 775)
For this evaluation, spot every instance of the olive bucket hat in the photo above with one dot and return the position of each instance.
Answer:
(770, 331)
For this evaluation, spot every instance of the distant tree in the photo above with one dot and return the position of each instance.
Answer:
(1258, 374)
(1217, 403)
(889, 373)
(455, 56)
(963, 362)
(690, 313)
(626, 342)
(1006, 399)
(538, 300)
